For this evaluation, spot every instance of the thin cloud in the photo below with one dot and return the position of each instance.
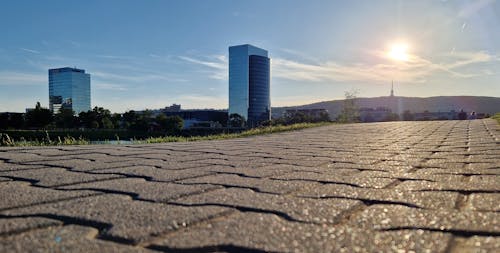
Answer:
(217, 65)
(116, 57)
(30, 50)
(221, 62)
(108, 86)
(138, 78)
(472, 7)
(416, 70)
(22, 78)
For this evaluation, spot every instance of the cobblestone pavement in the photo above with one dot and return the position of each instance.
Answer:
(381, 187)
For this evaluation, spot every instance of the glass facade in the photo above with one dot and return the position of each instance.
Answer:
(259, 108)
(69, 88)
(240, 96)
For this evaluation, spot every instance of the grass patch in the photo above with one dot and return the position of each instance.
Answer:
(247, 133)
(496, 117)
(6, 140)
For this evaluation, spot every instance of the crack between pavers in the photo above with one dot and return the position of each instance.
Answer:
(453, 231)
(227, 186)
(50, 201)
(320, 181)
(466, 192)
(103, 227)
(230, 248)
(369, 202)
(247, 209)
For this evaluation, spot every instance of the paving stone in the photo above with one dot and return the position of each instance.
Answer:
(262, 172)
(4, 179)
(267, 232)
(258, 184)
(170, 165)
(71, 238)
(477, 244)
(298, 209)
(16, 156)
(484, 202)
(78, 164)
(472, 184)
(428, 200)
(129, 220)
(13, 225)
(5, 166)
(51, 177)
(156, 174)
(329, 178)
(381, 187)
(18, 194)
(153, 191)
(383, 217)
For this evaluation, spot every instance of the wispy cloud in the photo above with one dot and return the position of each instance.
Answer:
(108, 86)
(217, 65)
(220, 63)
(30, 50)
(115, 57)
(415, 70)
(472, 7)
(136, 78)
(22, 78)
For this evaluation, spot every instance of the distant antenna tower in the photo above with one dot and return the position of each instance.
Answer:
(392, 88)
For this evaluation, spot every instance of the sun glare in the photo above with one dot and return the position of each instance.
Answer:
(399, 52)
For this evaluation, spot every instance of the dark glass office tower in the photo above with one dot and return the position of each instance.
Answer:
(69, 88)
(249, 84)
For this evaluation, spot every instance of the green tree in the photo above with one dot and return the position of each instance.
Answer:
(87, 118)
(106, 123)
(16, 120)
(169, 124)
(116, 119)
(236, 120)
(39, 117)
(407, 115)
(350, 111)
(130, 118)
(4, 120)
(65, 118)
(97, 115)
(323, 117)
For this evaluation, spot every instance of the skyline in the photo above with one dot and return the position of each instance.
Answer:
(152, 55)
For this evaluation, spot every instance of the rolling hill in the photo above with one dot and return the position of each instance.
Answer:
(489, 105)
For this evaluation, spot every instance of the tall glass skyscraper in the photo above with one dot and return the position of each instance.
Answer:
(249, 84)
(69, 88)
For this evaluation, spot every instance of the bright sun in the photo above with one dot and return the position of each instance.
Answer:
(399, 52)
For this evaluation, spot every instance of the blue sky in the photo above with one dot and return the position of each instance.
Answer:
(149, 54)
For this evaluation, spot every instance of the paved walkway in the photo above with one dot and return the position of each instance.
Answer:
(382, 187)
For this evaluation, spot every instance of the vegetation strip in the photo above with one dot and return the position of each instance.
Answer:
(496, 117)
(6, 140)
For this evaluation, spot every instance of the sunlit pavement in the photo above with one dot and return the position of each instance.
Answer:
(380, 187)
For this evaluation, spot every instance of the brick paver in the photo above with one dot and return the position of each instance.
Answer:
(381, 187)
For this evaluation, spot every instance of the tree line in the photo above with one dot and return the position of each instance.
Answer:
(97, 118)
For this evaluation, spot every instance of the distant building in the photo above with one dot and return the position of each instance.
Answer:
(69, 88)
(172, 108)
(249, 84)
(314, 114)
(426, 115)
(201, 118)
(368, 114)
